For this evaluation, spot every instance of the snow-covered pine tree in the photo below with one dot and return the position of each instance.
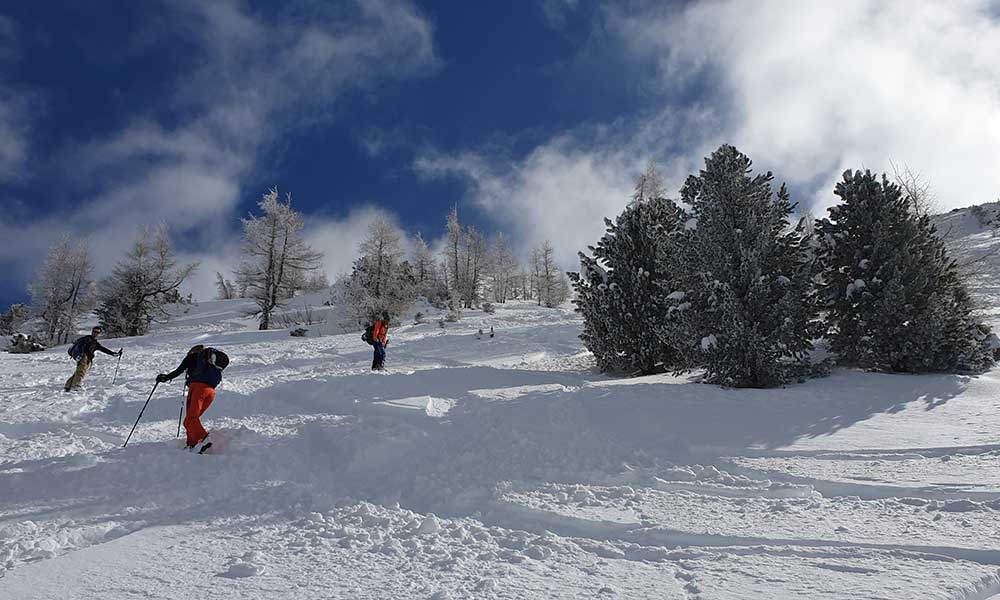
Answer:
(380, 279)
(503, 266)
(535, 275)
(453, 258)
(224, 289)
(619, 290)
(745, 277)
(648, 186)
(136, 293)
(316, 283)
(424, 267)
(475, 258)
(277, 259)
(63, 290)
(551, 282)
(895, 300)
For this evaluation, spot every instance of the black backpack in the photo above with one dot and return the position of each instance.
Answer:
(76, 350)
(369, 333)
(218, 358)
(208, 367)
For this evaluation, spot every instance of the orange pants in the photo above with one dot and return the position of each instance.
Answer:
(200, 397)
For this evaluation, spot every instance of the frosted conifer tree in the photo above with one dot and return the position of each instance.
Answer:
(63, 290)
(474, 255)
(746, 280)
(136, 293)
(380, 279)
(895, 299)
(277, 259)
(453, 258)
(224, 289)
(424, 267)
(550, 280)
(648, 186)
(503, 266)
(620, 288)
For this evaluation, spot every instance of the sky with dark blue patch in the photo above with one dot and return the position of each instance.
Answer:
(506, 80)
(533, 117)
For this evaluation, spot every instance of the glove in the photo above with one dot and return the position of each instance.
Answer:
(121, 351)
(162, 378)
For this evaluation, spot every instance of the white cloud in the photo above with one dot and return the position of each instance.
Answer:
(14, 130)
(15, 111)
(806, 89)
(339, 239)
(557, 12)
(809, 89)
(256, 79)
(563, 189)
(556, 193)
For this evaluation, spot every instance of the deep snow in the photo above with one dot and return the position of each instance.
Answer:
(488, 468)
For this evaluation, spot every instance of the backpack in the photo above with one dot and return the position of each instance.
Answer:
(76, 350)
(208, 366)
(217, 358)
(369, 334)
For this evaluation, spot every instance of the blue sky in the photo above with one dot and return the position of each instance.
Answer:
(534, 117)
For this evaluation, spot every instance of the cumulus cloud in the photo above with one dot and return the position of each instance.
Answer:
(563, 189)
(806, 89)
(256, 78)
(339, 239)
(557, 12)
(809, 89)
(15, 112)
(14, 135)
(556, 193)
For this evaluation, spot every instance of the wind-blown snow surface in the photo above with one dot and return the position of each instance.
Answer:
(488, 468)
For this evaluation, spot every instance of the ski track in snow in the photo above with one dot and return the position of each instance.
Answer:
(494, 468)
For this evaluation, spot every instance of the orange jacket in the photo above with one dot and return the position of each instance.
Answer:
(381, 331)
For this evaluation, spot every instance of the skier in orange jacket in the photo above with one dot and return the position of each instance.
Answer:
(380, 337)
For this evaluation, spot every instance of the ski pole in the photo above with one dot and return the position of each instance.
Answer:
(181, 414)
(118, 364)
(140, 414)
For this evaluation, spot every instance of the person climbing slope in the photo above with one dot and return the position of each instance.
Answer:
(380, 338)
(203, 372)
(82, 351)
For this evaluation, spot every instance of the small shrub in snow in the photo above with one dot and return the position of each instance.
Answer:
(419, 318)
(23, 344)
(453, 316)
(290, 319)
(489, 308)
(13, 319)
(438, 297)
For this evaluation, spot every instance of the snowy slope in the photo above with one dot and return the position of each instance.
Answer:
(973, 238)
(488, 468)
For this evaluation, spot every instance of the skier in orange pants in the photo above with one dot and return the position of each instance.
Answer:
(199, 398)
(203, 371)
